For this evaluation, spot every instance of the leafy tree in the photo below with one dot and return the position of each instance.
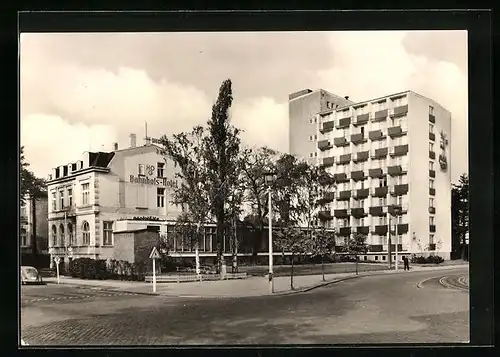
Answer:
(355, 246)
(255, 164)
(294, 240)
(221, 151)
(460, 213)
(32, 188)
(323, 243)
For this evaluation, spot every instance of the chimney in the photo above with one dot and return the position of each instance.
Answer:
(346, 97)
(115, 146)
(132, 141)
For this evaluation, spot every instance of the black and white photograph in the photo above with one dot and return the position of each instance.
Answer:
(244, 188)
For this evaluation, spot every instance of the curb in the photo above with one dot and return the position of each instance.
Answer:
(96, 287)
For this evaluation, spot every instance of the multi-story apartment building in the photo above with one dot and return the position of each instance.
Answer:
(302, 109)
(390, 159)
(26, 223)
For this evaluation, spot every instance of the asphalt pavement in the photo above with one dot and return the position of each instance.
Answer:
(415, 307)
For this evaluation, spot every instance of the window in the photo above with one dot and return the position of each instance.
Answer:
(431, 110)
(431, 238)
(381, 201)
(54, 236)
(315, 120)
(160, 197)
(315, 137)
(310, 154)
(376, 257)
(24, 238)
(431, 128)
(61, 198)
(431, 220)
(86, 233)
(70, 197)
(383, 257)
(85, 193)
(54, 201)
(431, 183)
(310, 138)
(362, 221)
(160, 169)
(431, 147)
(210, 235)
(71, 236)
(315, 154)
(107, 230)
(310, 121)
(431, 202)
(431, 165)
(62, 239)
(141, 170)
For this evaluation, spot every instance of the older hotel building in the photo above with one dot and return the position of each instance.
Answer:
(390, 159)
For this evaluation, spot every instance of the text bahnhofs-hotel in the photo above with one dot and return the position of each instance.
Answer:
(390, 160)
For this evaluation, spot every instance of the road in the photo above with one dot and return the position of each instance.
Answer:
(415, 307)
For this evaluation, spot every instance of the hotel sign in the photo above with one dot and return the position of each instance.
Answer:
(158, 181)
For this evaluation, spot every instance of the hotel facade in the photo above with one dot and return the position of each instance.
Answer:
(391, 162)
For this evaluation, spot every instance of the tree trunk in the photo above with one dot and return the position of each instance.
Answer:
(291, 274)
(323, 266)
(356, 257)
(34, 246)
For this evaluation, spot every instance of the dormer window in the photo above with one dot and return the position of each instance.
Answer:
(57, 172)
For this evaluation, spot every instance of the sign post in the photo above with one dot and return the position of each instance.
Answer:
(57, 260)
(154, 255)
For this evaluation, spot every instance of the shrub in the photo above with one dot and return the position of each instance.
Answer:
(86, 268)
(431, 259)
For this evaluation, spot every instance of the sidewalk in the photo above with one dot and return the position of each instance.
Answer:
(252, 286)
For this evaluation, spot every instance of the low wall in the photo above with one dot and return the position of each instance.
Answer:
(184, 278)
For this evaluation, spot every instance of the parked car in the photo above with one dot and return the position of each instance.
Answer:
(29, 275)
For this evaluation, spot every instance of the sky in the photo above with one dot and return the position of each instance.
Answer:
(84, 91)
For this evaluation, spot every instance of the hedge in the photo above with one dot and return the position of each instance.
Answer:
(100, 269)
(431, 259)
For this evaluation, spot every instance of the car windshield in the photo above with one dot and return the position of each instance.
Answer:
(30, 272)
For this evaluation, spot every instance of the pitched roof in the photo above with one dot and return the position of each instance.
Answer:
(100, 159)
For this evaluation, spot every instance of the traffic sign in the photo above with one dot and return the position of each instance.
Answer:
(154, 254)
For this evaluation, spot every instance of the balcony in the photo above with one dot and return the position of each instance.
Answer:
(344, 159)
(399, 190)
(376, 248)
(344, 231)
(380, 153)
(327, 126)
(432, 136)
(358, 212)
(432, 191)
(380, 230)
(400, 150)
(341, 141)
(358, 175)
(362, 193)
(432, 210)
(344, 123)
(361, 119)
(328, 161)
(395, 131)
(432, 173)
(340, 177)
(393, 248)
(402, 228)
(400, 111)
(376, 135)
(432, 118)
(344, 195)
(361, 156)
(327, 197)
(23, 220)
(380, 115)
(376, 173)
(325, 215)
(363, 230)
(432, 228)
(395, 210)
(324, 145)
(358, 138)
(340, 213)
(396, 170)
(432, 155)
(432, 246)
(380, 191)
(377, 211)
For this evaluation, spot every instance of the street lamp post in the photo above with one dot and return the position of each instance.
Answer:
(270, 177)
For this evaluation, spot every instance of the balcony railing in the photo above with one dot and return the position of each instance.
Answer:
(432, 118)
(361, 156)
(432, 173)
(361, 119)
(325, 215)
(328, 161)
(399, 150)
(380, 191)
(376, 173)
(327, 126)
(344, 159)
(362, 193)
(432, 228)
(344, 123)
(376, 135)
(400, 111)
(432, 155)
(344, 195)
(395, 210)
(376, 248)
(376, 211)
(358, 212)
(380, 153)
(358, 175)
(399, 190)
(395, 131)
(340, 213)
(324, 145)
(432, 246)
(380, 229)
(432, 191)
(363, 230)
(340, 177)
(340, 141)
(358, 138)
(432, 136)
(396, 170)
(344, 231)
(432, 210)
(380, 115)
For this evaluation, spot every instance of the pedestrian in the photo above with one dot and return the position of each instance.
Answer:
(406, 263)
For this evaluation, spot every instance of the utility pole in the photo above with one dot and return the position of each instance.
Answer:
(389, 253)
